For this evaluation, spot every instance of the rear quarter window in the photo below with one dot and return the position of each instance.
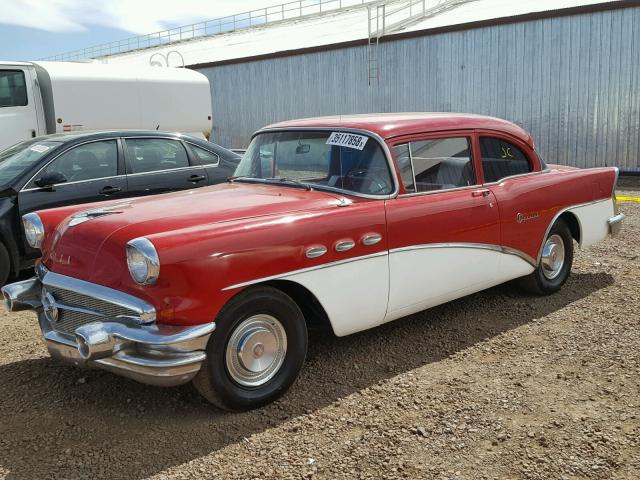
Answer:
(502, 159)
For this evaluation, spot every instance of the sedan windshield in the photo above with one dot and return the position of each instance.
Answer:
(21, 157)
(324, 160)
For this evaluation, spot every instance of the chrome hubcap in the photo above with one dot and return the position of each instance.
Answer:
(552, 256)
(256, 350)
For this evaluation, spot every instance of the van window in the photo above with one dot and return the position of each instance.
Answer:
(501, 159)
(13, 88)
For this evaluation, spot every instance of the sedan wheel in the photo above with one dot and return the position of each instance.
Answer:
(256, 351)
(555, 262)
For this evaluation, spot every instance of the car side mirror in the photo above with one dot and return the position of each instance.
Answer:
(49, 179)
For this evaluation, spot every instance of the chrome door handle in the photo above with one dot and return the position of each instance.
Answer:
(481, 193)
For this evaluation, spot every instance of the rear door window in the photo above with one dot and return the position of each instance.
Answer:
(501, 159)
(154, 154)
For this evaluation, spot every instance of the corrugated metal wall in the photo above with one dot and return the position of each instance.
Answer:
(573, 82)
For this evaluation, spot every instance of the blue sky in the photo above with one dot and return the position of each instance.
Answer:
(33, 29)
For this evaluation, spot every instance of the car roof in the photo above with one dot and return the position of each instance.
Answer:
(87, 134)
(389, 125)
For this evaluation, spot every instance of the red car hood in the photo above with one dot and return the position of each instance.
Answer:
(76, 249)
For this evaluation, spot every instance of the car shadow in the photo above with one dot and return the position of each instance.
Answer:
(65, 422)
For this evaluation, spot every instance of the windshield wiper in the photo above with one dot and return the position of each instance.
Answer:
(288, 181)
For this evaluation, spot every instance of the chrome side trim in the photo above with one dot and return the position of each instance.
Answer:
(145, 311)
(480, 246)
(344, 245)
(73, 183)
(305, 270)
(166, 170)
(375, 136)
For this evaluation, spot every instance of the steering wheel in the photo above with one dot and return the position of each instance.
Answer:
(369, 182)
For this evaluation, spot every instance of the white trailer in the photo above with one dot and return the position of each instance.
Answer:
(38, 98)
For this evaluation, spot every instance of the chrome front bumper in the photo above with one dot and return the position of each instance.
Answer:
(129, 345)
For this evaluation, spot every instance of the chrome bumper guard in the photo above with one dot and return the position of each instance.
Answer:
(162, 355)
(615, 224)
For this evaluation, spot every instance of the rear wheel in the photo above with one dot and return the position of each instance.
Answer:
(555, 262)
(256, 351)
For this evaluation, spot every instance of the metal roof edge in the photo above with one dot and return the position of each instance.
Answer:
(526, 17)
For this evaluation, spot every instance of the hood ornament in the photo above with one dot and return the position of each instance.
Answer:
(86, 215)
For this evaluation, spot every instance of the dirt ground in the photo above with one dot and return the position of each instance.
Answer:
(498, 385)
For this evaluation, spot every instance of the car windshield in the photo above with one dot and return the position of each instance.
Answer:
(21, 157)
(323, 160)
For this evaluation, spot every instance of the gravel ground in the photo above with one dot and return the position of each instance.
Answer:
(496, 385)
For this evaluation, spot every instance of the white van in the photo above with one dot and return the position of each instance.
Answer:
(38, 98)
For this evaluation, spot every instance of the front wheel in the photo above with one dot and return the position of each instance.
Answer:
(555, 262)
(256, 351)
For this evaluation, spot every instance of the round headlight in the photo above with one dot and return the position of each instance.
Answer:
(33, 229)
(143, 261)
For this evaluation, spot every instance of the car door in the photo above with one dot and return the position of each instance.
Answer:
(526, 208)
(18, 112)
(92, 171)
(443, 228)
(158, 165)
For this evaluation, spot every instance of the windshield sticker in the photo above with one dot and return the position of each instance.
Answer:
(348, 140)
(39, 148)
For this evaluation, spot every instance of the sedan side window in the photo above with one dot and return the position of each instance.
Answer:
(153, 154)
(90, 161)
(205, 156)
(501, 159)
(438, 164)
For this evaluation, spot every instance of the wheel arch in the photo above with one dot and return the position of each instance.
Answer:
(313, 311)
(573, 223)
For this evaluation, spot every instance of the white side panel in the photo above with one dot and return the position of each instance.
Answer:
(427, 277)
(353, 294)
(593, 221)
(97, 97)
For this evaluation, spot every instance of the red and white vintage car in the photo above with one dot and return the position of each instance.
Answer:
(356, 220)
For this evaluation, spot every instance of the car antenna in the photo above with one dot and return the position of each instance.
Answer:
(158, 127)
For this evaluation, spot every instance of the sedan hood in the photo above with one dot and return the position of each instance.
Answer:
(73, 248)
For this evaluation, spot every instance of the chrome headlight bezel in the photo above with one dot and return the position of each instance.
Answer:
(143, 261)
(33, 229)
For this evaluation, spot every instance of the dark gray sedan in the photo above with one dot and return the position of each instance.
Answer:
(67, 169)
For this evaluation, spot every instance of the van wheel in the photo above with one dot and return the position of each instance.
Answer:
(5, 264)
(256, 351)
(554, 266)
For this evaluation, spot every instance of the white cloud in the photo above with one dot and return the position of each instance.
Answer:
(135, 16)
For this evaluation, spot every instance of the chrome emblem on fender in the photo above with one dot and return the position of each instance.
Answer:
(86, 215)
(525, 217)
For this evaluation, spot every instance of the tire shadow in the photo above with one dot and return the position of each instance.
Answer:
(59, 421)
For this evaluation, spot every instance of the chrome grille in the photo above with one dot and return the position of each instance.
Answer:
(69, 320)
